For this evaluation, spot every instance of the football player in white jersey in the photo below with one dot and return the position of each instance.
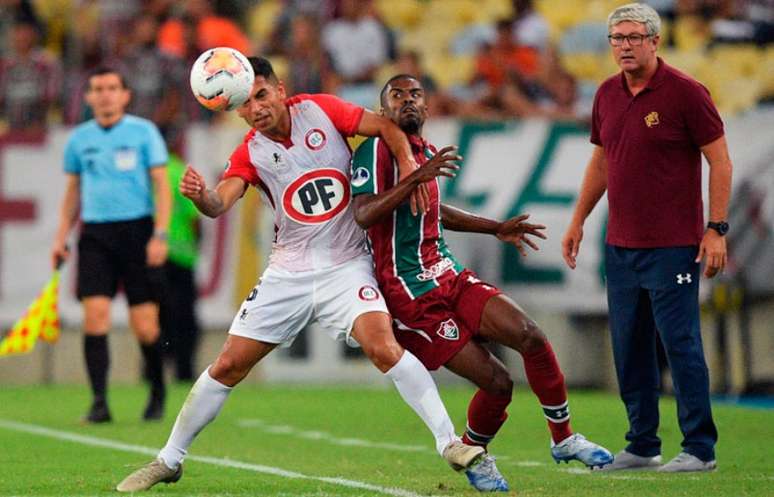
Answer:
(319, 269)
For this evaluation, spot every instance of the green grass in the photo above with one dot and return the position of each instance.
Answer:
(36, 465)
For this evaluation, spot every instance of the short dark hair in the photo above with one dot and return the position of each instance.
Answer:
(262, 67)
(102, 70)
(383, 93)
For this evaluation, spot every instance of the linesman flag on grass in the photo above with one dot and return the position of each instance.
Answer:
(40, 321)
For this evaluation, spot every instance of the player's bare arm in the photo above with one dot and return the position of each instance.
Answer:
(593, 187)
(369, 209)
(211, 203)
(156, 249)
(68, 216)
(713, 245)
(514, 230)
(375, 125)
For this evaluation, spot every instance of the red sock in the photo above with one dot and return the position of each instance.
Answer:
(547, 381)
(486, 414)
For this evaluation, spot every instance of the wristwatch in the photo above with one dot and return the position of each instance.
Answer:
(721, 227)
(161, 235)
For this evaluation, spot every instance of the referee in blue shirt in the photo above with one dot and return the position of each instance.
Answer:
(115, 165)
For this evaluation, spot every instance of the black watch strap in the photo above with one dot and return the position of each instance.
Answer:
(721, 227)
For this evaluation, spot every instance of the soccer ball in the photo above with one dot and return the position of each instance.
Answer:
(221, 79)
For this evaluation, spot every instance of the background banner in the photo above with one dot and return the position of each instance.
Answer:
(509, 168)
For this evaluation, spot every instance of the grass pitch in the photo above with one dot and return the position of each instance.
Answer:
(316, 442)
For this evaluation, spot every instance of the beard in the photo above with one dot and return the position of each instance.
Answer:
(410, 124)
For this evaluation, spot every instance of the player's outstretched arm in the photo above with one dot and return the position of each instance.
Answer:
(514, 230)
(369, 208)
(211, 203)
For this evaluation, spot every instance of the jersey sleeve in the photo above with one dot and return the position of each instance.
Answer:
(156, 148)
(368, 163)
(239, 166)
(701, 117)
(344, 115)
(72, 163)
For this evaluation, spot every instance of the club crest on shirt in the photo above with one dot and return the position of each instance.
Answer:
(367, 293)
(125, 158)
(652, 119)
(316, 196)
(448, 330)
(315, 139)
(360, 177)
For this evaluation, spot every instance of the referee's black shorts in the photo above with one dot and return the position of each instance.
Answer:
(114, 252)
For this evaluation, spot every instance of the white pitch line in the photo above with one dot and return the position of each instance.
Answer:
(229, 463)
(356, 442)
(327, 437)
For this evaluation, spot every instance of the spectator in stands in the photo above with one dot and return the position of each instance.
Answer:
(29, 81)
(530, 28)
(212, 30)
(358, 45)
(308, 66)
(155, 77)
(514, 80)
(11, 12)
(85, 54)
(438, 101)
(280, 41)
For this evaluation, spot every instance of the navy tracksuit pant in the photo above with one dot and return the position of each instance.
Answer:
(650, 290)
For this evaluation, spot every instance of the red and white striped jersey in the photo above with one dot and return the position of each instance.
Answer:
(306, 182)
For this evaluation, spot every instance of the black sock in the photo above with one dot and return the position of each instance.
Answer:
(154, 370)
(95, 349)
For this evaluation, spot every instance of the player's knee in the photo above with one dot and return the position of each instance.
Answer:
(227, 370)
(383, 353)
(97, 319)
(502, 384)
(533, 338)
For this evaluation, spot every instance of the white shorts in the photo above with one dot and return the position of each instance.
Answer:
(284, 303)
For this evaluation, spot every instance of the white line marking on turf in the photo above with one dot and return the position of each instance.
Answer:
(355, 442)
(229, 463)
(327, 437)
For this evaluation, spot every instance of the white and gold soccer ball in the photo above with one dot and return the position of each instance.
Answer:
(221, 78)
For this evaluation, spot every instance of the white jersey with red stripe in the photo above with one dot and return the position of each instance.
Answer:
(306, 182)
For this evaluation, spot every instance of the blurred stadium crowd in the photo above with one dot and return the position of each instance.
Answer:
(482, 59)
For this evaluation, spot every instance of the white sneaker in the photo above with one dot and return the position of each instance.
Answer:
(577, 447)
(461, 456)
(627, 460)
(149, 475)
(684, 462)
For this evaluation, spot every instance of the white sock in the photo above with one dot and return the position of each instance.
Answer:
(419, 391)
(204, 402)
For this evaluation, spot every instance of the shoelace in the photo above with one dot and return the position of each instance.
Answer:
(682, 457)
(151, 472)
(488, 468)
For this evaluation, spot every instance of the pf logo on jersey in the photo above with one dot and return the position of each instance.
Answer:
(315, 139)
(316, 196)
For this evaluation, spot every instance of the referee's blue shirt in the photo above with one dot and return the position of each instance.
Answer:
(113, 164)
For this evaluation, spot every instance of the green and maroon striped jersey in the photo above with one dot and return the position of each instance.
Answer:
(409, 252)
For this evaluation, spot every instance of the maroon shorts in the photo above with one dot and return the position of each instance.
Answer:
(436, 326)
